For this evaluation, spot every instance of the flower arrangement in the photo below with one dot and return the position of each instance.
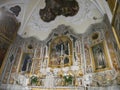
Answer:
(68, 79)
(34, 79)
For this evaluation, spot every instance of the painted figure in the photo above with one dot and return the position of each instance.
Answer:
(27, 64)
(99, 56)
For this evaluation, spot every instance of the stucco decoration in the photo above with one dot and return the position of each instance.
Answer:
(16, 9)
(87, 11)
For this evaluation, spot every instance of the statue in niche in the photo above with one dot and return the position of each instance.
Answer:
(26, 63)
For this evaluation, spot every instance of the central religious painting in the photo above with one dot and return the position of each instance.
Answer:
(60, 52)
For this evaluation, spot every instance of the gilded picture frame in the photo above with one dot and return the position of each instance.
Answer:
(112, 4)
(4, 48)
(60, 53)
(116, 23)
(99, 57)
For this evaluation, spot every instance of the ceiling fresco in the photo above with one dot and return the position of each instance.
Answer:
(55, 8)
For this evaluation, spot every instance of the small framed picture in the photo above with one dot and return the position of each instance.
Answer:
(26, 62)
(99, 56)
(116, 23)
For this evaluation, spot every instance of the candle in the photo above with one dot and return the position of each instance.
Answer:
(46, 51)
(75, 47)
(35, 53)
(78, 46)
(40, 52)
(61, 50)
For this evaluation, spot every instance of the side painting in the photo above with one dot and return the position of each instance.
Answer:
(99, 56)
(116, 21)
(26, 62)
(60, 52)
(3, 50)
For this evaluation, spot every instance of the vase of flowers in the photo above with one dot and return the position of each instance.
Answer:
(34, 80)
(68, 79)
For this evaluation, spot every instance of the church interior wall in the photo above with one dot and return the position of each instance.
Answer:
(84, 66)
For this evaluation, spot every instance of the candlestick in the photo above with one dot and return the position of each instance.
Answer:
(68, 48)
(79, 46)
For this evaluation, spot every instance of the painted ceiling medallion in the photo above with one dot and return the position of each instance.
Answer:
(55, 8)
(16, 10)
